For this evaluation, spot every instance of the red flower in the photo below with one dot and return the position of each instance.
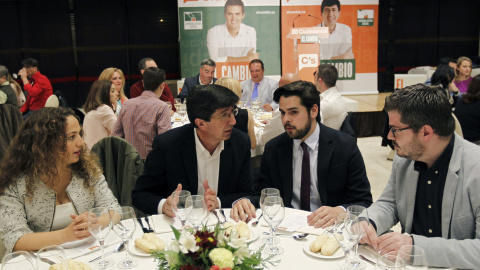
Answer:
(190, 267)
(206, 240)
(215, 267)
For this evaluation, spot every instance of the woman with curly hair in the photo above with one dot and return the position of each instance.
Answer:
(100, 116)
(48, 182)
(115, 75)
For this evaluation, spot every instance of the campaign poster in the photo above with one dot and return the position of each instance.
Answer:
(351, 43)
(230, 35)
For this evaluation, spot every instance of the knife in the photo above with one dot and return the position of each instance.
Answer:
(147, 218)
(42, 259)
(223, 214)
(145, 230)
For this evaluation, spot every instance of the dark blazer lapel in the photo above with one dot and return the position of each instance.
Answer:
(225, 167)
(325, 151)
(285, 159)
(189, 158)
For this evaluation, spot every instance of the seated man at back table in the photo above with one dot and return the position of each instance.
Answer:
(205, 76)
(434, 187)
(314, 167)
(137, 88)
(206, 157)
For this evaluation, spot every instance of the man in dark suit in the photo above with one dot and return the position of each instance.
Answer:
(316, 168)
(206, 157)
(206, 76)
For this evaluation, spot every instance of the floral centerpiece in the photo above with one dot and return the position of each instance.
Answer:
(209, 250)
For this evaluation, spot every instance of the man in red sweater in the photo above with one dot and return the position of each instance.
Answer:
(138, 88)
(38, 87)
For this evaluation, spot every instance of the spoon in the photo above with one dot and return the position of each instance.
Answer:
(258, 219)
(296, 237)
(120, 247)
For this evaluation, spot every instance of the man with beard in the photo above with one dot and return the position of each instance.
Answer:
(314, 167)
(434, 187)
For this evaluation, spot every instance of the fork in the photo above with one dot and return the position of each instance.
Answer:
(365, 259)
(215, 213)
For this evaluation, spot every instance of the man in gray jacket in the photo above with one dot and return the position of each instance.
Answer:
(434, 187)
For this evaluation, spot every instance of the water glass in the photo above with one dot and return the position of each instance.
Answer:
(199, 210)
(17, 260)
(348, 231)
(181, 206)
(361, 213)
(266, 192)
(414, 257)
(390, 262)
(99, 224)
(54, 254)
(124, 226)
(273, 213)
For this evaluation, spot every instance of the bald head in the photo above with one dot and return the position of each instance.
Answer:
(288, 78)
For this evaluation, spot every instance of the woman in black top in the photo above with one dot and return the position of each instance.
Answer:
(244, 118)
(467, 111)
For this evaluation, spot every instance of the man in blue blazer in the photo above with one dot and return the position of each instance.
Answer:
(206, 157)
(206, 76)
(259, 86)
(332, 178)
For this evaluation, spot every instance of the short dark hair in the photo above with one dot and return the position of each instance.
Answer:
(444, 75)
(473, 91)
(306, 91)
(257, 61)
(446, 61)
(208, 62)
(328, 73)
(234, 3)
(329, 3)
(153, 77)
(30, 62)
(142, 64)
(204, 100)
(3, 71)
(420, 105)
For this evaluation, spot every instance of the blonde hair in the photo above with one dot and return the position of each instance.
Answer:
(459, 63)
(231, 84)
(107, 74)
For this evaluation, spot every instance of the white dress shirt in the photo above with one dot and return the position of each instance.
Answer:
(338, 42)
(312, 143)
(333, 108)
(221, 44)
(208, 167)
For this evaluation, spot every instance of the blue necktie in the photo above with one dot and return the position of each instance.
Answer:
(255, 91)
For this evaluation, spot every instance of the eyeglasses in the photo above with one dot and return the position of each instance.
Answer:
(226, 115)
(395, 130)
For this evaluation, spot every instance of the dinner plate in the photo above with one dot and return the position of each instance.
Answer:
(254, 235)
(337, 254)
(136, 250)
(74, 244)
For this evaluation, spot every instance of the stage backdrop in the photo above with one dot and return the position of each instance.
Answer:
(304, 46)
(260, 33)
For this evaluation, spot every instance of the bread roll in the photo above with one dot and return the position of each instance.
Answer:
(152, 238)
(243, 230)
(317, 244)
(72, 265)
(330, 246)
(144, 245)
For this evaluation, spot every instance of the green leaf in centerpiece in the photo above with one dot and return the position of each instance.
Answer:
(175, 232)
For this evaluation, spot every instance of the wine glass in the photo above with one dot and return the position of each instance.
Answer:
(348, 231)
(266, 192)
(414, 257)
(361, 213)
(181, 206)
(99, 224)
(17, 260)
(273, 213)
(390, 262)
(177, 100)
(199, 210)
(55, 254)
(124, 225)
